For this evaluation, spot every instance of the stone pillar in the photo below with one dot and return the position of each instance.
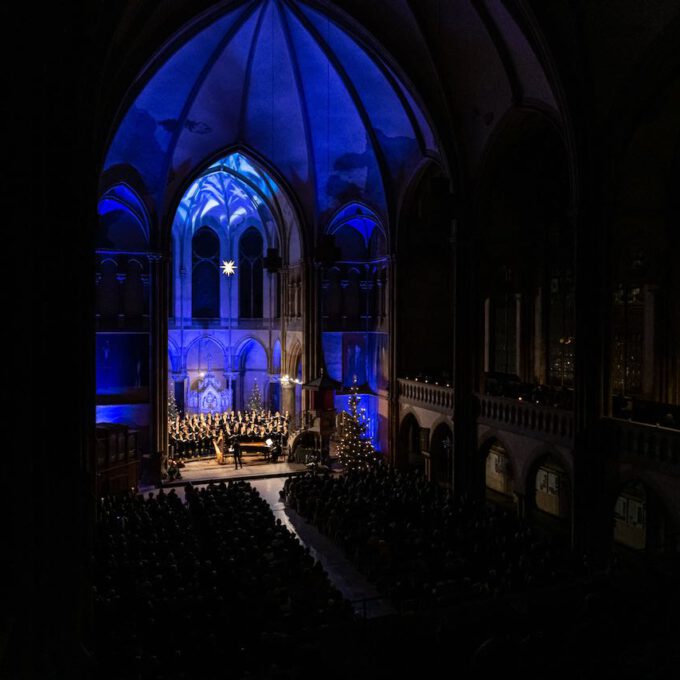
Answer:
(180, 303)
(648, 341)
(487, 334)
(272, 385)
(427, 467)
(519, 345)
(121, 278)
(230, 382)
(591, 512)
(540, 340)
(158, 313)
(288, 399)
(312, 354)
(468, 344)
(179, 378)
(424, 446)
(393, 386)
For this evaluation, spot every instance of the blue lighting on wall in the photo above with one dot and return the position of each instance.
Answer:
(362, 220)
(280, 90)
(289, 84)
(136, 415)
(124, 221)
(122, 363)
(231, 193)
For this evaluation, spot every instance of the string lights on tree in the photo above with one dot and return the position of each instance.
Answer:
(355, 449)
(173, 412)
(255, 399)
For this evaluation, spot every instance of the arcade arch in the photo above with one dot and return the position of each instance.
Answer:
(409, 453)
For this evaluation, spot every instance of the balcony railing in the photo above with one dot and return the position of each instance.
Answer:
(526, 418)
(641, 440)
(427, 395)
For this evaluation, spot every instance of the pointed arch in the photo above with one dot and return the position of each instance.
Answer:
(205, 274)
(293, 359)
(496, 468)
(409, 452)
(250, 278)
(124, 223)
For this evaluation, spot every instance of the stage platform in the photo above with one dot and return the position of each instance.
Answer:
(206, 470)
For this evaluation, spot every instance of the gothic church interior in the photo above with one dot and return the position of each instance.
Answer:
(466, 209)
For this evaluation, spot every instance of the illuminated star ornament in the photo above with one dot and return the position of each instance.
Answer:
(229, 268)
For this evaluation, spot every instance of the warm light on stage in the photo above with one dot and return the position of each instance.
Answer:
(204, 470)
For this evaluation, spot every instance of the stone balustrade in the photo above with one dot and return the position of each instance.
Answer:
(523, 417)
(426, 395)
(651, 442)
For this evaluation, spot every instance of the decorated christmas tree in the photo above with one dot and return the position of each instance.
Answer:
(255, 400)
(172, 404)
(355, 449)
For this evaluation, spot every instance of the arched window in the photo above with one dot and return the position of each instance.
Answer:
(205, 278)
(250, 274)
(498, 471)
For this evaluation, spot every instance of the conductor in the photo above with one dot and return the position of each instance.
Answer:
(236, 450)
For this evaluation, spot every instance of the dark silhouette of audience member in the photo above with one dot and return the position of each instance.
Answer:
(212, 582)
(413, 541)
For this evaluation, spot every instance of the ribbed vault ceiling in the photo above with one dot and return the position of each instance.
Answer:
(290, 86)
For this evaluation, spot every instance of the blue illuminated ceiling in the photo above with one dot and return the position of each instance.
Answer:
(287, 84)
(358, 217)
(227, 200)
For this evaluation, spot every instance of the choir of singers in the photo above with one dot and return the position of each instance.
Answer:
(202, 435)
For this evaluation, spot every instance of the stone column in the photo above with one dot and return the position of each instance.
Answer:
(288, 399)
(158, 314)
(272, 383)
(591, 513)
(648, 341)
(540, 355)
(468, 345)
(121, 278)
(180, 303)
(427, 467)
(389, 323)
(179, 377)
(519, 336)
(312, 354)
